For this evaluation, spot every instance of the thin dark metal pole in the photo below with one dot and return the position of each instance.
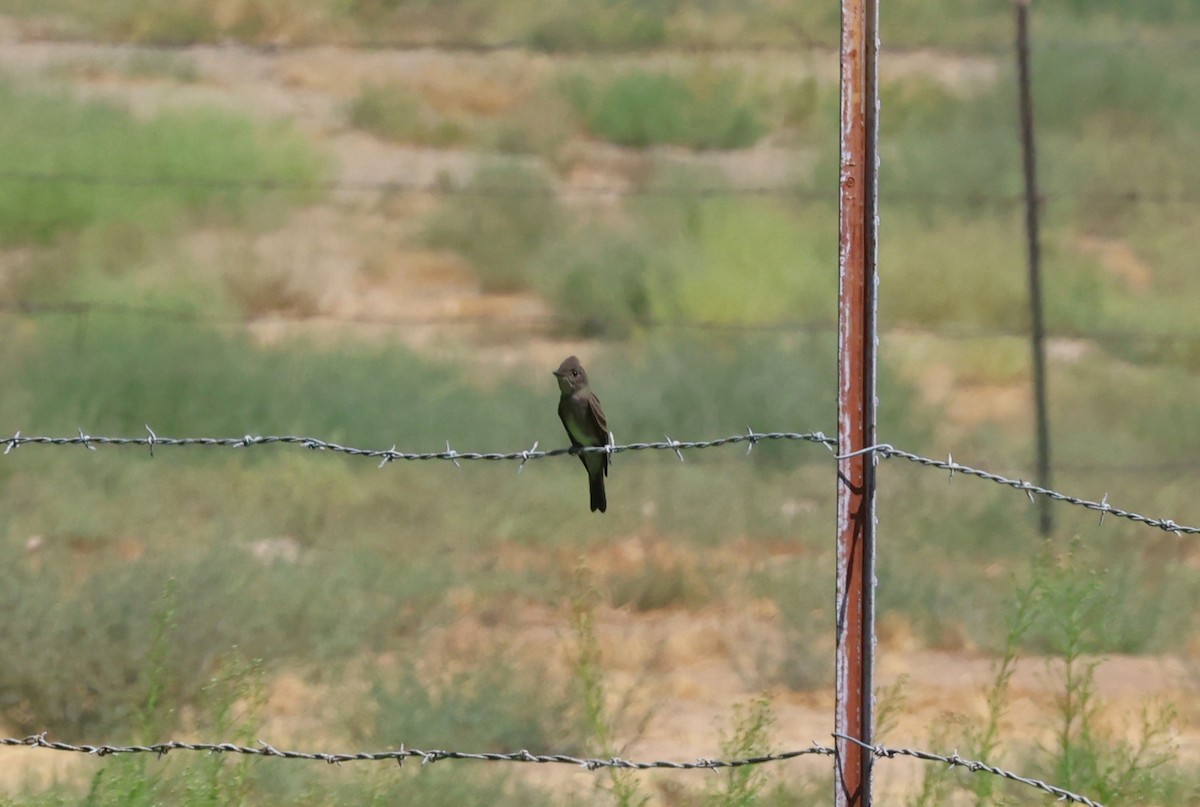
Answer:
(856, 402)
(1032, 234)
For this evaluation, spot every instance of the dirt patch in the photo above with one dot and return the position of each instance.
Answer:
(1118, 259)
(672, 678)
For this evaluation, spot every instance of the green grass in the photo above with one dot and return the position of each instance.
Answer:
(1062, 607)
(599, 24)
(287, 612)
(231, 706)
(193, 151)
(716, 261)
(746, 262)
(380, 548)
(123, 376)
(803, 592)
(561, 26)
(186, 22)
(498, 707)
(707, 110)
(199, 518)
(502, 218)
(395, 112)
(599, 279)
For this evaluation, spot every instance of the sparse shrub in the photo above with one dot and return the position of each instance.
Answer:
(258, 290)
(82, 657)
(162, 64)
(597, 280)
(803, 659)
(498, 222)
(800, 103)
(193, 152)
(658, 585)
(750, 737)
(588, 25)
(641, 109)
(395, 112)
(496, 706)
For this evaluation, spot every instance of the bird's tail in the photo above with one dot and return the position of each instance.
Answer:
(596, 485)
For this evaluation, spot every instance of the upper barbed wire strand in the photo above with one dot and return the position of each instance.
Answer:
(750, 437)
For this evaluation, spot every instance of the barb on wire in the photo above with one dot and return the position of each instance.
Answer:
(438, 187)
(441, 187)
(974, 766)
(264, 749)
(1031, 490)
(751, 437)
(1134, 38)
(392, 455)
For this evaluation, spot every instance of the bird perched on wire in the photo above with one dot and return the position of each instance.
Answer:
(581, 414)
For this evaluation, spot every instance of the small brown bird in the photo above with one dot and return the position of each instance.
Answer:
(582, 416)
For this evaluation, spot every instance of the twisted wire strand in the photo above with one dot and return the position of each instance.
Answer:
(1031, 490)
(264, 749)
(751, 438)
(974, 766)
(153, 440)
(976, 198)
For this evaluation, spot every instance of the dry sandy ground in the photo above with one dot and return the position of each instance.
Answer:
(673, 676)
(678, 671)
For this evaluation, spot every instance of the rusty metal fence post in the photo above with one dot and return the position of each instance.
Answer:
(856, 401)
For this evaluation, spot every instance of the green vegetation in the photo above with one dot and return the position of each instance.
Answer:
(496, 707)
(504, 112)
(589, 677)
(182, 595)
(716, 261)
(643, 109)
(394, 112)
(598, 24)
(1087, 755)
(599, 280)
(803, 660)
(193, 151)
(574, 25)
(184, 22)
(741, 787)
(503, 217)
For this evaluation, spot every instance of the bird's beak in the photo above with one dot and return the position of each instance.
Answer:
(556, 373)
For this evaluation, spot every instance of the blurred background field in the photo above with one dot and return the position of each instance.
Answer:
(385, 223)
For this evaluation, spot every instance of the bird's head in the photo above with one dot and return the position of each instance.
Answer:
(571, 376)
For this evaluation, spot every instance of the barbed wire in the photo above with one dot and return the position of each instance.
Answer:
(446, 187)
(32, 308)
(750, 437)
(974, 766)
(264, 749)
(798, 45)
(392, 455)
(1103, 507)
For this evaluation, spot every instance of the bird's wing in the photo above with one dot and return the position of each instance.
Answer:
(598, 416)
(562, 405)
